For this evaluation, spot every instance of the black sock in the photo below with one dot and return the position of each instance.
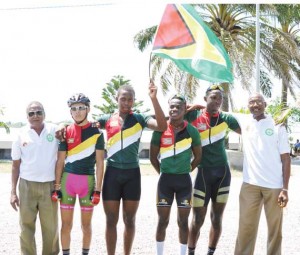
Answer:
(85, 251)
(211, 251)
(191, 251)
(66, 252)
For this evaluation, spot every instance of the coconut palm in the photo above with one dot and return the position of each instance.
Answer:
(235, 27)
(281, 46)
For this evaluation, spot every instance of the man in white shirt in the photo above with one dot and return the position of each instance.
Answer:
(34, 154)
(266, 173)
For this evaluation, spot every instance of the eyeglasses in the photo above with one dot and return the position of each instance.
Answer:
(215, 87)
(37, 113)
(258, 102)
(78, 108)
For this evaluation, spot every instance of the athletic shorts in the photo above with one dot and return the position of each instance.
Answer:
(211, 183)
(121, 184)
(179, 185)
(73, 185)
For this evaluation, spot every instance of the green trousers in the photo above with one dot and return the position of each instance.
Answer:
(35, 200)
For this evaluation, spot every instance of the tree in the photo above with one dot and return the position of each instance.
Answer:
(282, 54)
(109, 94)
(3, 124)
(234, 25)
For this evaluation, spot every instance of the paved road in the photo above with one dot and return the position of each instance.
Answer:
(146, 223)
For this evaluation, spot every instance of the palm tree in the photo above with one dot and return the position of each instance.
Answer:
(234, 25)
(282, 51)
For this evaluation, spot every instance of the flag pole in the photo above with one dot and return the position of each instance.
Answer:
(257, 49)
(149, 66)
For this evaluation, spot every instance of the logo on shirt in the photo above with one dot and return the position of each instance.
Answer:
(114, 123)
(201, 126)
(50, 138)
(167, 141)
(71, 140)
(269, 131)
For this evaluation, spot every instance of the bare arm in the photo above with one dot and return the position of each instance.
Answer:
(192, 107)
(283, 197)
(238, 130)
(59, 167)
(99, 169)
(159, 123)
(197, 152)
(15, 172)
(154, 151)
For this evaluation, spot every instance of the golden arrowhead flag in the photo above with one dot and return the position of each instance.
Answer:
(183, 37)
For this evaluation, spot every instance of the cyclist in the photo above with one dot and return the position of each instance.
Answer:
(82, 149)
(179, 150)
(213, 178)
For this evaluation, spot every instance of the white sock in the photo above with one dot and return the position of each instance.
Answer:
(183, 248)
(160, 248)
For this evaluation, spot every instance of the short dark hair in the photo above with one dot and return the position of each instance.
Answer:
(214, 87)
(127, 88)
(178, 96)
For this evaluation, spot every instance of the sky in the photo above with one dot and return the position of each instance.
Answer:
(50, 50)
(48, 54)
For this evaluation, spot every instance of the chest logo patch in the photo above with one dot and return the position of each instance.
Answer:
(201, 126)
(50, 138)
(167, 141)
(114, 123)
(71, 140)
(269, 131)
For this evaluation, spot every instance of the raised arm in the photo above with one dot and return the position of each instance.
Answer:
(159, 123)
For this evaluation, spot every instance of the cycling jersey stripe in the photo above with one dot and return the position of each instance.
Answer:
(81, 155)
(214, 130)
(84, 145)
(217, 133)
(114, 146)
(169, 153)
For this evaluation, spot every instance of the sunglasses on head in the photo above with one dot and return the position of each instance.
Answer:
(37, 113)
(178, 96)
(215, 87)
(78, 108)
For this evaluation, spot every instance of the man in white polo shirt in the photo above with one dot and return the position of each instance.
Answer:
(266, 173)
(34, 155)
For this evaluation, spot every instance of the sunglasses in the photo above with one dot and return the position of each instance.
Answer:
(215, 87)
(78, 108)
(37, 113)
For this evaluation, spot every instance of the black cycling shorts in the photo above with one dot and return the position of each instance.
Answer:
(179, 185)
(211, 183)
(121, 184)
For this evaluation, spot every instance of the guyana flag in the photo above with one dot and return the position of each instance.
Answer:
(183, 37)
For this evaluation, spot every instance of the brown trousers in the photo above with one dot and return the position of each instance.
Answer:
(252, 198)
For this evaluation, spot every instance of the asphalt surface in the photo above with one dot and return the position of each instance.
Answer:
(144, 242)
